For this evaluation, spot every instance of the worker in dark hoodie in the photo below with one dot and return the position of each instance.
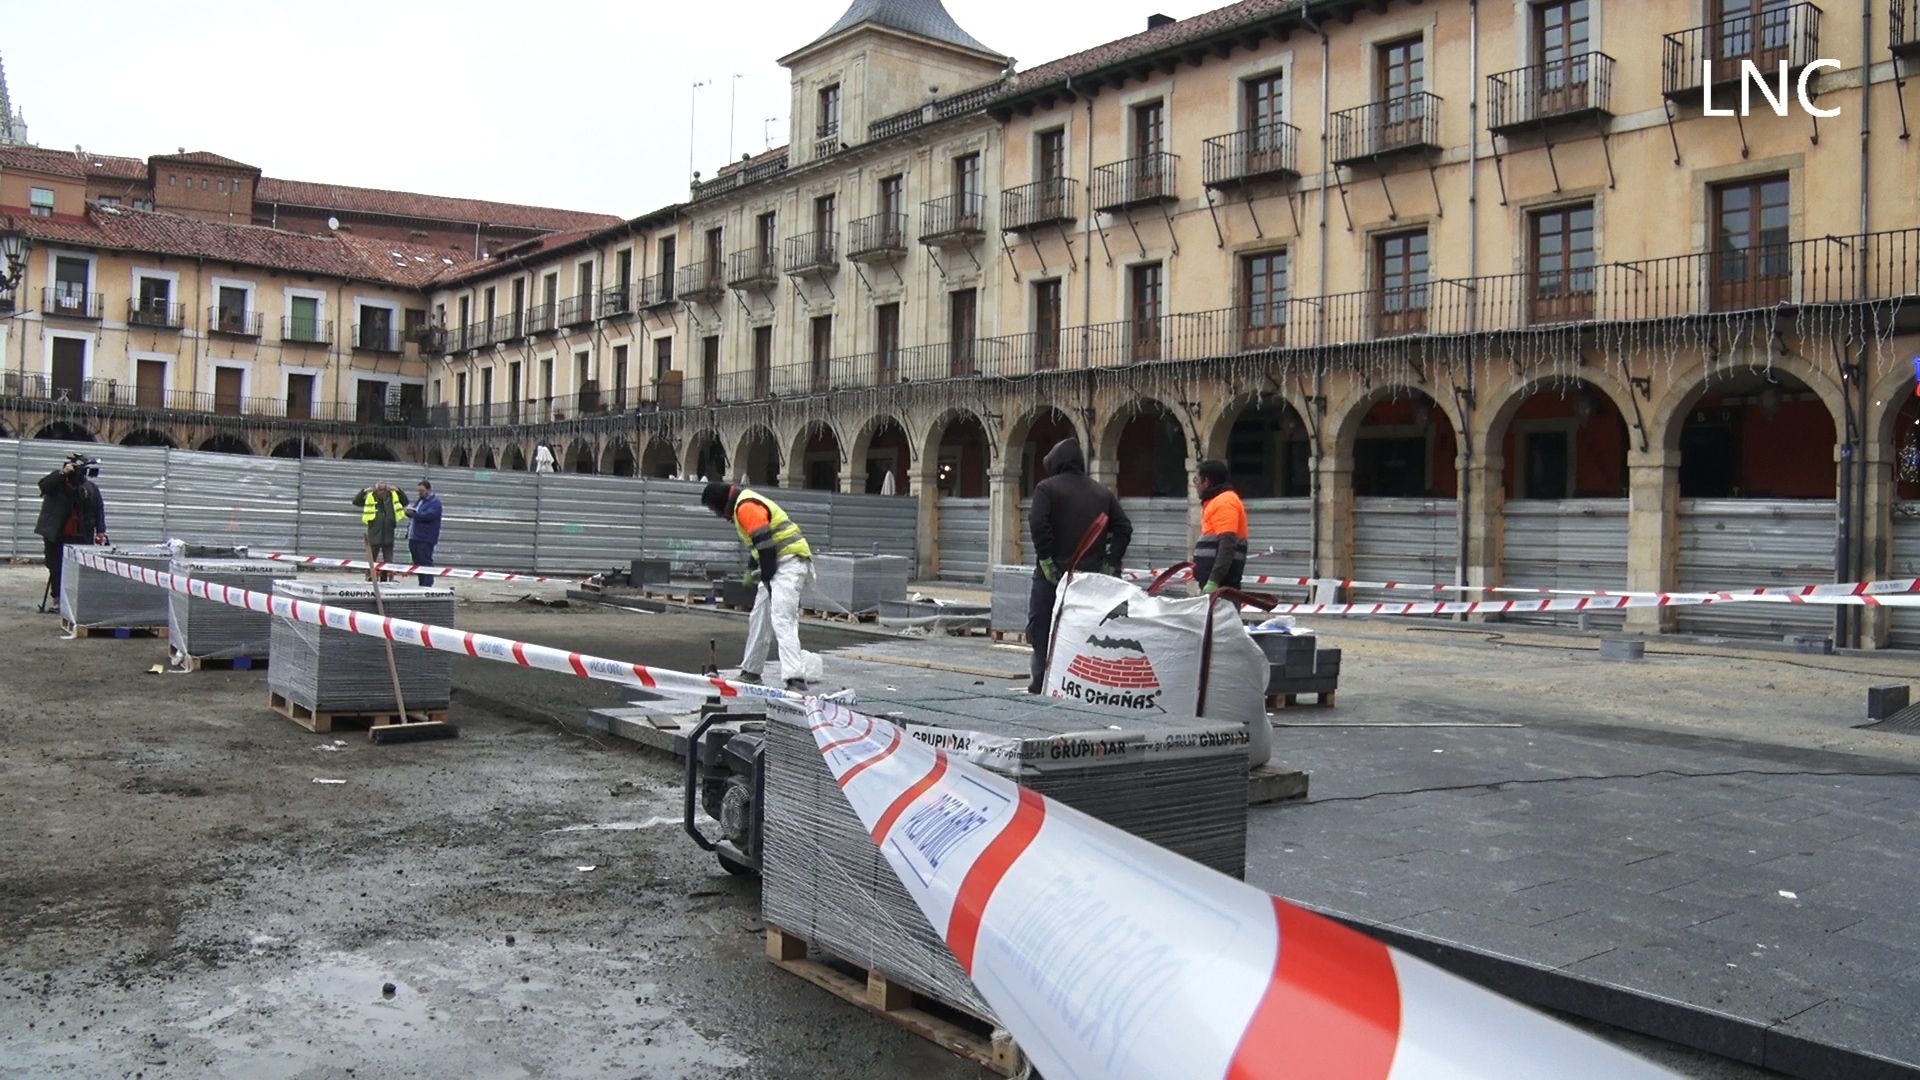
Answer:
(1067, 508)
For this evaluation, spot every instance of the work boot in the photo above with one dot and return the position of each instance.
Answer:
(798, 686)
(748, 677)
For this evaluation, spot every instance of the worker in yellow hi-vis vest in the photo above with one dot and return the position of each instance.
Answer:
(780, 563)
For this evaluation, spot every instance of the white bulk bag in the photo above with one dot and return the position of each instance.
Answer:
(1118, 648)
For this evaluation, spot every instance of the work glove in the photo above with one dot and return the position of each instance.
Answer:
(1051, 571)
(1211, 588)
(1113, 569)
(769, 562)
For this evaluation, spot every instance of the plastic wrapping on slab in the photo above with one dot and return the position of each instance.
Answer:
(91, 597)
(1182, 785)
(193, 549)
(1012, 588)
(856, 584)
(210, 629)
(334, 671)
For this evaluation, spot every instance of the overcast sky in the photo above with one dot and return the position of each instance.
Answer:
(582, 104)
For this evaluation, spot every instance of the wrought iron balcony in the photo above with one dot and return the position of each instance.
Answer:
(300, 330)
(1702, 58)
(376, 337)
(1266, 152)
(1136, 181)
(70, 303)
(233, 323)
(431, 339)
(701, 283)
(540, 319)
(505, 328)
(1041, 203)
(752, 268)
(1409, 124)
(953, 219)
(474, 335)
(156, 314)
(616, 301)
(656, 291)
(1577, 88)
(1903, 27)
(577, 310)
(877, 237)
(813, 253)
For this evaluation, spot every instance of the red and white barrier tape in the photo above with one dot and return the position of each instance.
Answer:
(1854, 593)
(441, 638)
(1103, 954)
(408, 569)
(1107, 956)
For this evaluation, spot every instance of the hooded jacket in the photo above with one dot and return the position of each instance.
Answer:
(1065, 506)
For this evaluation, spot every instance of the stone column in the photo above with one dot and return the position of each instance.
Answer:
(1875, 623)
(1005, 530)
(1484, 556)
(1653, 533)
(1333, 493)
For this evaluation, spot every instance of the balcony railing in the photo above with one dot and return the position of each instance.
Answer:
(475, 335)
(1031, 206)
(656, 291)
(431, 339)
(376, 337)
(300, 330)
(1903, 27)
(753, 268)
(134, 399)
(1266, 152)
(234, 323)
(1407, 124)
(1578, 87)
(616, 301)
(1715, 55)
(70, 303)
(951, 218)
(813, 253)
(739, 178)
(577, 310)
(701, 282)
(876, 237)
(826, 141)
(156, 314)
(506, 328)
(1136, 181)
(540, 319)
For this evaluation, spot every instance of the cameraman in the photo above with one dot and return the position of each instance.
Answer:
(71, 512)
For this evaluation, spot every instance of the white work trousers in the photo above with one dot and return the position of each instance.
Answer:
(776, 617)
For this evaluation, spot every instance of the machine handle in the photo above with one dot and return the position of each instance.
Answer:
(693, 780)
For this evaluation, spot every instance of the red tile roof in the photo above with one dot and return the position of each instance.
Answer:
(69, 163)
(1149, 42)
(408, 265)
(205, 157)
(517, 255)
(409, 204)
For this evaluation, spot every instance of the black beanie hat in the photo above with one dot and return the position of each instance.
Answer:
(714, 497)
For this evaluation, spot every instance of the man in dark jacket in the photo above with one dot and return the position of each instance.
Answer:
(1067, 505)
(1220, 558)
(423, 528)
(71, 512)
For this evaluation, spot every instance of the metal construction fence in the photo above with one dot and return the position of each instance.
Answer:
(539, 523)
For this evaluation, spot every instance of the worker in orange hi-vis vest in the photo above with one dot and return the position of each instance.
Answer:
(1220, 558)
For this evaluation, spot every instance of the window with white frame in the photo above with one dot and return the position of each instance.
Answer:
(40, 201)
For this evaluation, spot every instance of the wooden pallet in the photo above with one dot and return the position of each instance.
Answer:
(414, 719)
(184, 662)
(683, 599)
(1011, 637)
(113, 631)
(1276, 702)
(851, 617)
(976, 1040)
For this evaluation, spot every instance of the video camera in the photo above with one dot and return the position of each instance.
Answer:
(84, 464)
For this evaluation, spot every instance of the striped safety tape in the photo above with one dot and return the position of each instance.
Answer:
(407, 569)
(1104, 955)
(1845, 593)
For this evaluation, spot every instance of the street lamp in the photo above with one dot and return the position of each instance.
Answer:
(14, 247)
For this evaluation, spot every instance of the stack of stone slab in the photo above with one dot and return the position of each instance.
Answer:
(824, 879)
(1297, 665)
(338, 671)
(213, 629)
(855, 584)
(1012, 587)
(95, 598)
